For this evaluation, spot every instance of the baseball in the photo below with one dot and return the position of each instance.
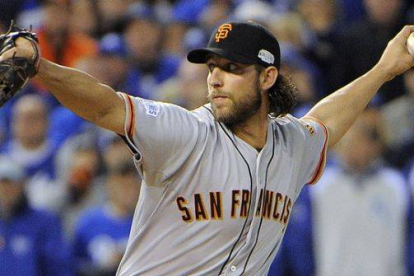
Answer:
(410, 44)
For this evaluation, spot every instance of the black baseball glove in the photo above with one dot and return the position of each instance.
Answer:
(16, 71)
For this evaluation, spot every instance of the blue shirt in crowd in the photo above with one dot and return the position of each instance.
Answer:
(32, 244)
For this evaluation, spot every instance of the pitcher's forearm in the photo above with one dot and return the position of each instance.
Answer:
(84, 95)
(340, 110)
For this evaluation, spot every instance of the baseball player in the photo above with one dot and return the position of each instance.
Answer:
(219, 182)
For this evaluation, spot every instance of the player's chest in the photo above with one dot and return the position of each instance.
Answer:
(237, 186)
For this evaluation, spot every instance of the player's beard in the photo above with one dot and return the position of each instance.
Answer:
(241, 110)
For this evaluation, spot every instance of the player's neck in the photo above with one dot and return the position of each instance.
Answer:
(254, 130)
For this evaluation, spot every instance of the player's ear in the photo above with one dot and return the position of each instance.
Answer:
(268, 77)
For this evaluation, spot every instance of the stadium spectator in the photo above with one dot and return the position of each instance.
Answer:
(80, 171)
(143, 37)
(398, 118)
(58, 42)
(101, 233)
(322, 26)
(32, 147)
(85, 18)
(187, 88)
(31, 241)
(215, 13)
(289, 27)
(111, 15)
(29, 145)
(360, 45)
(119, 72)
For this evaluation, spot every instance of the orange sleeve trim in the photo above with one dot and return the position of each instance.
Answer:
(322, 157)
(131, 127)
(129, 123)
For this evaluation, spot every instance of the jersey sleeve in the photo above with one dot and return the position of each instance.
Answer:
(160, 135)
(314, 149)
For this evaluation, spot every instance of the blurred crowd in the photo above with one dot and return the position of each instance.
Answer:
(68, 189)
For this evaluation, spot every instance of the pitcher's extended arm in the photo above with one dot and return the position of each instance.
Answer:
(84, 95)
(76, 90)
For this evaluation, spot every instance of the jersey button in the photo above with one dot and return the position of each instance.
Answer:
(233, 268)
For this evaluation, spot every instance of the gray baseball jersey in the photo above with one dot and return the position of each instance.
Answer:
(210, 203)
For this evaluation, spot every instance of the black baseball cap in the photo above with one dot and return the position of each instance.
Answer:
(243, 42)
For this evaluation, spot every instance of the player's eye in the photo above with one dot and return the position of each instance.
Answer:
(233, 68)
(211, 67)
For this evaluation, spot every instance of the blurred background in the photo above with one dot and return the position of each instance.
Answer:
(68, 189)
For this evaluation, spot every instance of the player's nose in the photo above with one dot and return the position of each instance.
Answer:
(215, 77)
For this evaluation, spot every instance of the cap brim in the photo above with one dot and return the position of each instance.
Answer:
(200, 56)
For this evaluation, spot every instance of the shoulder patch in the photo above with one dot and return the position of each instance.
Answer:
(151, 107)
(308, 127)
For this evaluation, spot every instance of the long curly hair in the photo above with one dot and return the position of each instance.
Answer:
(282, 95)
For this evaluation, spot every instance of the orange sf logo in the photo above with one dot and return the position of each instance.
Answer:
(223, 31)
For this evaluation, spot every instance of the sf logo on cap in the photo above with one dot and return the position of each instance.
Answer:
(223, 31)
